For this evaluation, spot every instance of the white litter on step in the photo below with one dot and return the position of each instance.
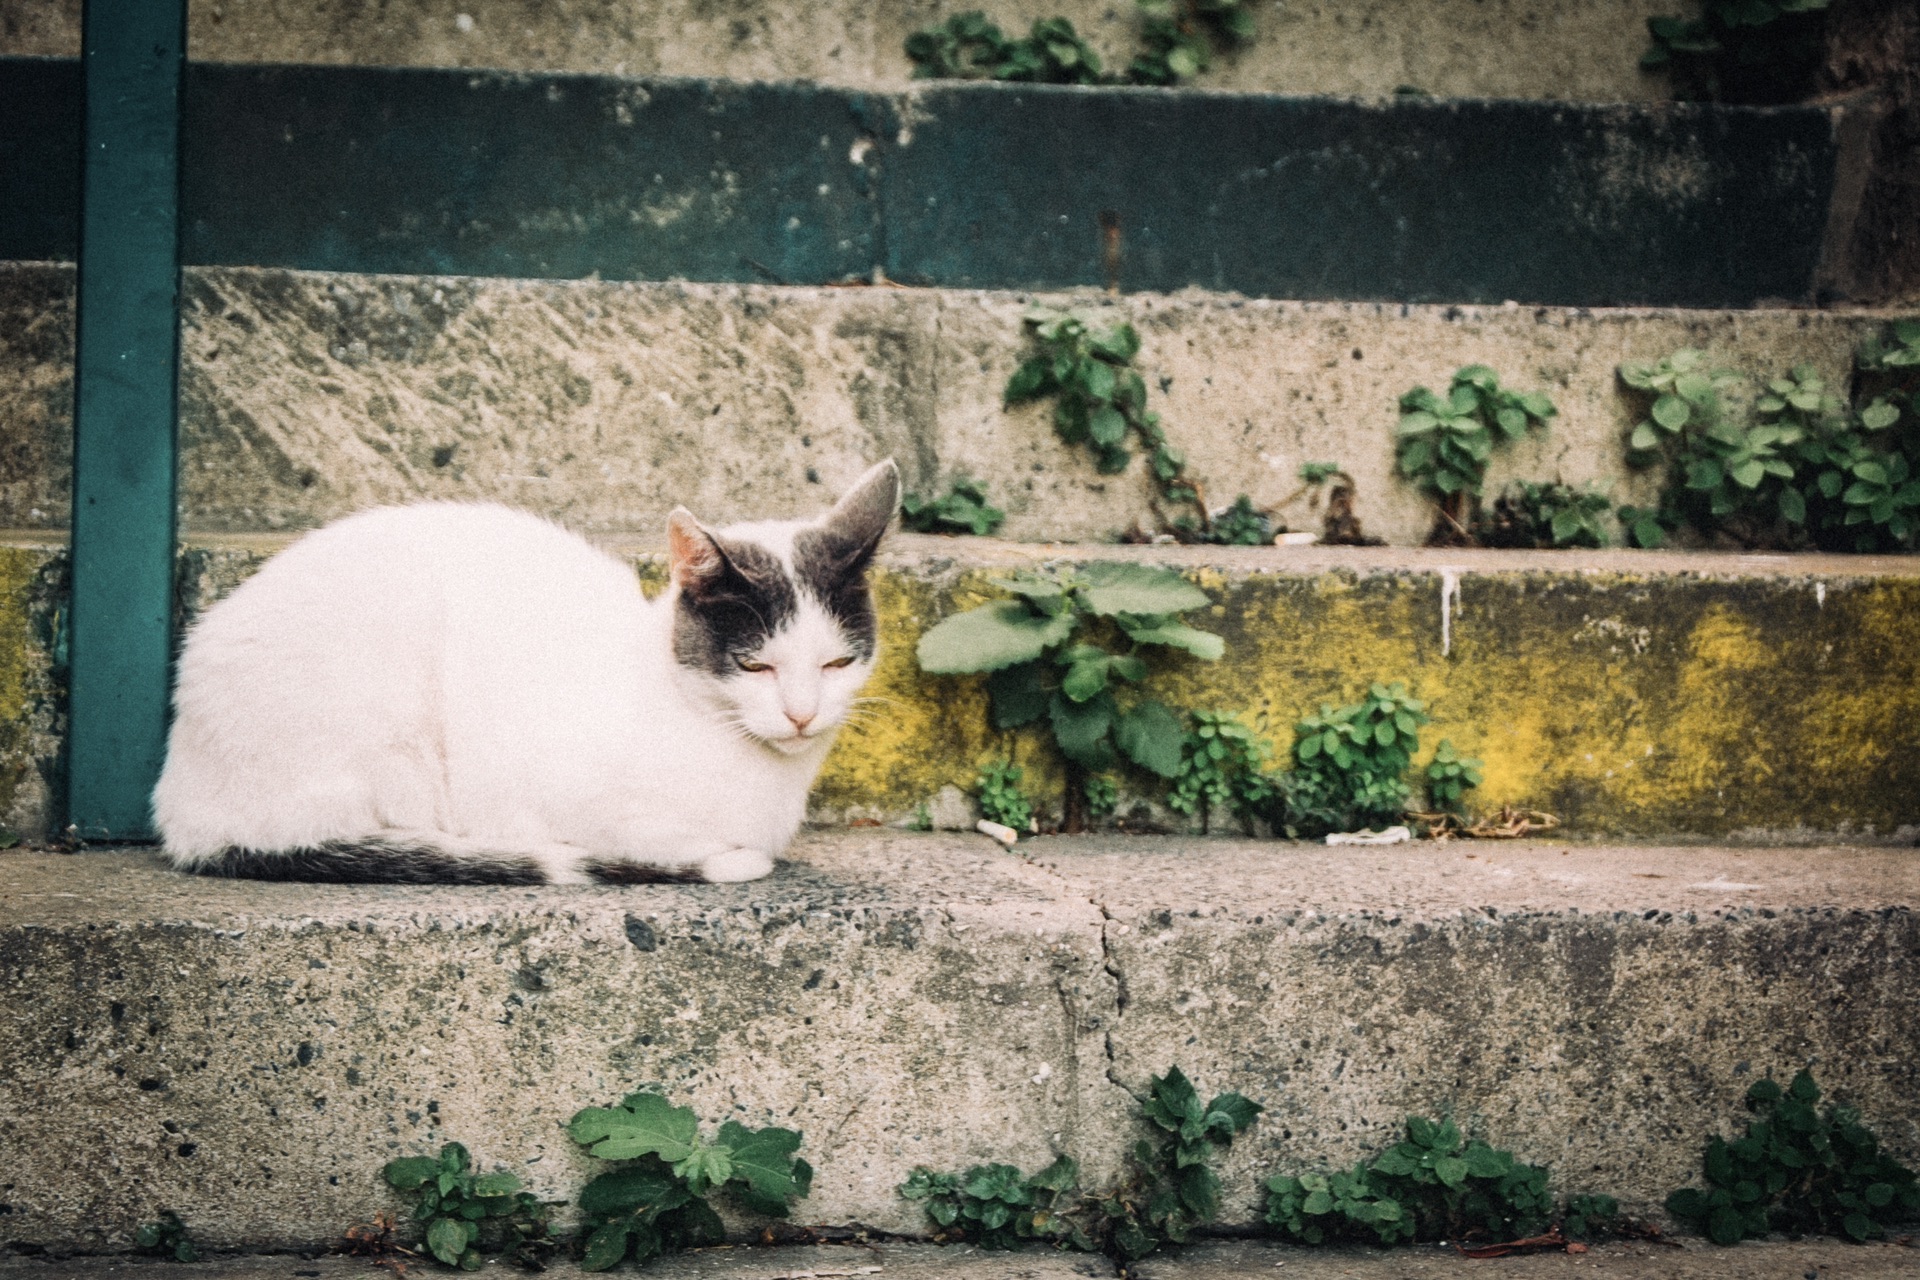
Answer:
(1392, 835)
(1304, 538)
(1005, 835)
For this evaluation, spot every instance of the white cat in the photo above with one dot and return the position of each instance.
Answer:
(467, 694)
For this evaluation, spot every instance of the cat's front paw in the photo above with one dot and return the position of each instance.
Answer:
(736, 865)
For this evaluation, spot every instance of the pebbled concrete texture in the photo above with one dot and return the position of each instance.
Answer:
(248, 1055)
(1759, 698)
(1450, 48)
(305, 396)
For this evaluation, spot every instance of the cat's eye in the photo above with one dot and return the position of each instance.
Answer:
(749, 665)
(838, 663)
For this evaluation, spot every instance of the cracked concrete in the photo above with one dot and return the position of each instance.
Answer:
(249, 1055)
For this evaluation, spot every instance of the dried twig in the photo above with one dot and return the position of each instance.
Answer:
(1508, 823)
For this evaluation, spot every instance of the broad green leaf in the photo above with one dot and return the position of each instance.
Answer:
(1538, 405)
(1120, 343)
(1150, 735)
(1017, 695)
(1239, 1110)
(643, 1124)
(1062, 1175)
(1644, 437)
(1107, 425)
(1451, 1170)
(1749, 474)
(1512, 421)
(1793, 507)
(1671, 412)
(993, 636)
(447, 1238)
(1178, 635)
(763, 1159)
(1042, 591)
(1695, 388)
(495, 1184)
(630, 1189)
(1484, 1162)
(1200, 1191)
(605, 1247)
(1096, 379)
(1128, 667)
(1032, 378)
(1080, 729)
(1183, 61)
(1418, 424)
(1086, 678)
(409, 1172)
(1121, 587)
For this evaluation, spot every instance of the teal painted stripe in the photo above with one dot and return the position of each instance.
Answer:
(424, 170)
(123, 468)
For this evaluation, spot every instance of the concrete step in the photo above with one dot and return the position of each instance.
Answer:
(1647, 694)
(248, 1055)
(307, 395)
(897, 1260)
(1586, 52)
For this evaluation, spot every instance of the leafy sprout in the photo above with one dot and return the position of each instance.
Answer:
(468, 1215)
(656, 1201)
(1001, 799)
(1445, 442)
(962, 509)
(1798, 1170)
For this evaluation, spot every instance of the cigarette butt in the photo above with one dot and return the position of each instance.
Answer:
(1005, 835)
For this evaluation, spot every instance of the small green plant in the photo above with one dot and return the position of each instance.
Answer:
(997, 1207)
(1444, 443)
(963, 509)
(656, 1201)
(1798, 1170)
(1546, 515)
(1103, 796)
(1350, 762)
(968, 47)
(1101, 400)
(1801, 467)
(1001, 799)
(1241, 525)
(166, 1238)
(1178, 37)
(1170, 1188)
(1436, 1185)
(1753, 51)
(1449, 775)
(1061, 648)
(468, 1215)
(1223, 767)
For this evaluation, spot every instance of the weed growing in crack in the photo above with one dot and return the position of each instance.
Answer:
(467, 1216)
(1169, 1189)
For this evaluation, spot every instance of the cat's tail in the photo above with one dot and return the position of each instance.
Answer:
(390, 856)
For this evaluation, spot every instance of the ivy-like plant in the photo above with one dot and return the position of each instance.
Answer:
(1798, 1170)
(1436, 1185)
(997, 1207)
(468, 1216)
(1350, 762)
(166, 1237)
(1101, 400)
(1444, 443)
(1178, 37)
(1803, 467)
(1241, 525)
(1546, 515)
(1223, 767)
(968, 47)
(963, 509)
(1061, 648)
(1000, 797)
(1449, 776)
(1752, 51)
(656, 1202)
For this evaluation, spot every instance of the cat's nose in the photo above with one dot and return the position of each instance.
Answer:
(799, 723)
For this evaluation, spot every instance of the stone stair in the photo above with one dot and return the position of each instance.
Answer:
(826, 266)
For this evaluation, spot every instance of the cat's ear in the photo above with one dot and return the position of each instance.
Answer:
(851, 532)
(694, 559)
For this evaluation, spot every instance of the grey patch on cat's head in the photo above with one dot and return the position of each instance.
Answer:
(733, 596)
(830, 558)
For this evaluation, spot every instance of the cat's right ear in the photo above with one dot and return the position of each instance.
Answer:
(694, 559)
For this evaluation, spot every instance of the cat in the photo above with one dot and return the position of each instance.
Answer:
(468, 694)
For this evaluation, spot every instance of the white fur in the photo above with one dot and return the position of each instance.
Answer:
(480, 679)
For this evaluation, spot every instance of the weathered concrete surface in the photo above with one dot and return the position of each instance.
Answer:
(305, 396)
(1450, 48)
(248, 1055)
(251, 1055)
(1691, 1260)
(1212, 1260)
(1763, 698)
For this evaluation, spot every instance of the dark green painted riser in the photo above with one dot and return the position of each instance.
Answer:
(410, 170)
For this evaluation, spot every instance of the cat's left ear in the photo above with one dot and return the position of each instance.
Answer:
(851, 532)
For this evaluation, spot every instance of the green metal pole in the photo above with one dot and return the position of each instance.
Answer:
(126, 364)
